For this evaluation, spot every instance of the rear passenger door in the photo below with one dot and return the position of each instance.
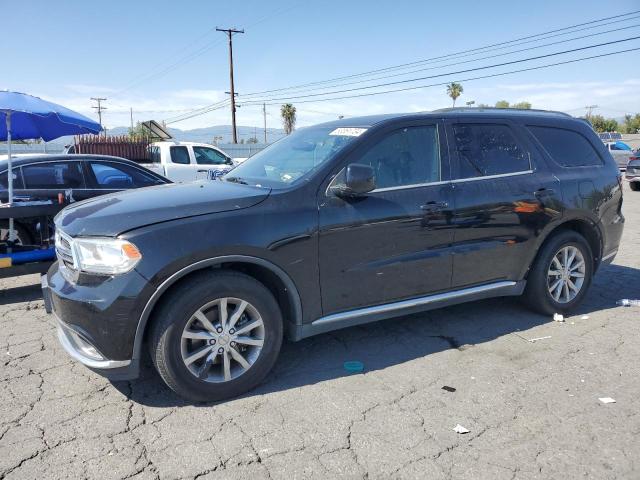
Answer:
(504, 195)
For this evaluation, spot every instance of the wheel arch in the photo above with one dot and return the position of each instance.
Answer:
(585, 227)
(270, 275)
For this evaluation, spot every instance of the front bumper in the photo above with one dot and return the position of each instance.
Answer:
(96, 324)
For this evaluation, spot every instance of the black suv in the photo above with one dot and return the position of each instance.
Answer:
(335, 225)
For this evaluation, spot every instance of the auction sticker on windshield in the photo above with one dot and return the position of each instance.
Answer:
(348, 131)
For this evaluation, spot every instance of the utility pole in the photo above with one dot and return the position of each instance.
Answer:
(99, 107)
(590, 109)
(230, 32)
(264, 115)
(131, 111)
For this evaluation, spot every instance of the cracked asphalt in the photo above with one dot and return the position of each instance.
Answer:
(532, 408)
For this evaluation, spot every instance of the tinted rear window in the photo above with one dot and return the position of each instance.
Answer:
(566, 147)
(487, 149)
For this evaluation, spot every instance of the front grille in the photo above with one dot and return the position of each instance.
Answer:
(63, 249)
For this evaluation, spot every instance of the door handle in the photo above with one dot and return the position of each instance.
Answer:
(203, 171)
(544, 192)
(434, 206)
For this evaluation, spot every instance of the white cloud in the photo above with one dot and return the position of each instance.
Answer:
(614, 99)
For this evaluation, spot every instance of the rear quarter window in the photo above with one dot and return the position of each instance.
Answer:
(566, 147)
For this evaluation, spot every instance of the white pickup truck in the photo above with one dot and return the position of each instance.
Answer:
(188, 161)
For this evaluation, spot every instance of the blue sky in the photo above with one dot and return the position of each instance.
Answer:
(163, 58)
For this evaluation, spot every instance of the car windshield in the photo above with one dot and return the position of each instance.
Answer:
(294, 157)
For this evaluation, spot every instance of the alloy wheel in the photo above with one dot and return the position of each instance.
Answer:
(566, 273)
(222, 340)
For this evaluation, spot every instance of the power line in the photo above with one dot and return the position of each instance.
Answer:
(169, 68)
(356, 82)
(205, 48)
(256, 101)
(201, 111)
(478, 49)
(539, 67)
(151, 71)
(249, 95)
(512, 62)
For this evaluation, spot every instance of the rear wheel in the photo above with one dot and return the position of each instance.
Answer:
(216, 336)
(635, 186)
(561, 274)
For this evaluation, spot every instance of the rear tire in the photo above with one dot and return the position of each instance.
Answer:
(545, 291)
(635, 186)
(230, 322)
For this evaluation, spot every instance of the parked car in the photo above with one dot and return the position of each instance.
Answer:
(621, 153)
(633, 172)
(335, 225)
(188, 161)
(76, 177)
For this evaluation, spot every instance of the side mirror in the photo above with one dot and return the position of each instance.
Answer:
(358, 180)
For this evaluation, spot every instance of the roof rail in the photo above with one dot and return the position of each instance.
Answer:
(481, 109)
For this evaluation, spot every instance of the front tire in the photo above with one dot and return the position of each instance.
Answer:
(561, 274)
(216, 336)
(635, 186)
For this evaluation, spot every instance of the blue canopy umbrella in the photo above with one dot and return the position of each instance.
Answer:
(24, 117)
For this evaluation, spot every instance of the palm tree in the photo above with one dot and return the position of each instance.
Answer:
(454, 90)
(288, 113)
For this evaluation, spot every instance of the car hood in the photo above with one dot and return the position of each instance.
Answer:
(113, 214)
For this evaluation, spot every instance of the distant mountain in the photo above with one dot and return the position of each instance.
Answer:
(202, 135)
(207, 134)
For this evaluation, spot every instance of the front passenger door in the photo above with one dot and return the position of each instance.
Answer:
(392, 243)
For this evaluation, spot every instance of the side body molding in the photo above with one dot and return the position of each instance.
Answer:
(292, 291)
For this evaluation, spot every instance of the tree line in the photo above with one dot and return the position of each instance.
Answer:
(631, 124)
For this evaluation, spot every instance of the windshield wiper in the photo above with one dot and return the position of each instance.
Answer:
(235, 180)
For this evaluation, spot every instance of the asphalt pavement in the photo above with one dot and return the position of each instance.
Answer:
(527, 389)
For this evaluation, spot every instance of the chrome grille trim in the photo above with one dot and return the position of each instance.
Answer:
(64, 251)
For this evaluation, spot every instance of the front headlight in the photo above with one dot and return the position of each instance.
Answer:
(105, 256)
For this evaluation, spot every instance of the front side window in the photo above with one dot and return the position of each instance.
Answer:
(209, 156)
(409, 156)
(180, 155)
(119, 176)
(488, 149)
(566, 147)
(17, 179)
(53, 175)
(294, 157)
